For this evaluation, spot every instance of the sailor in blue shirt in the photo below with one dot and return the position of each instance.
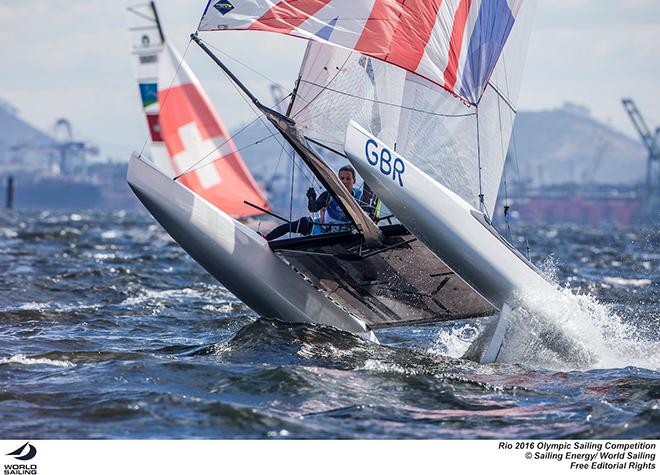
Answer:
(330, 210)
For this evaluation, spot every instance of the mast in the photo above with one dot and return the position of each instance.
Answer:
(157, 19)
(287, 127)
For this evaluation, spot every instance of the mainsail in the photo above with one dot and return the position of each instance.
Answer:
(186, 132)
(451, 114)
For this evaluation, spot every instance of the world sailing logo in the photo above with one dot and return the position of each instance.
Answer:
(32, 451)
(25, 452)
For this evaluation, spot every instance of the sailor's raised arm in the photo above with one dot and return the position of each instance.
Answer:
(314, 203)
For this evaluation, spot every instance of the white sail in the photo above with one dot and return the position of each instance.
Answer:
(429, 125)
(148, 44)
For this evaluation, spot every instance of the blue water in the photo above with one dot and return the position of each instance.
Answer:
(109, 330)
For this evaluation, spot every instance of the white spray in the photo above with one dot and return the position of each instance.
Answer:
(555, 328)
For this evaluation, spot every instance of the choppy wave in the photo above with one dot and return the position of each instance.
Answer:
(626, 282)
(109, 330)
(26, 360)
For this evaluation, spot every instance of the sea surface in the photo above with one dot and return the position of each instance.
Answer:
(109, 330)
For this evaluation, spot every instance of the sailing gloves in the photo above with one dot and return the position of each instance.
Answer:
(311, 198)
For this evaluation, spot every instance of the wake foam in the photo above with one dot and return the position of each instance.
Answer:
(557, 329)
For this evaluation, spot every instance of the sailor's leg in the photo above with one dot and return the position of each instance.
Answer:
(279, 231)
(302, 226)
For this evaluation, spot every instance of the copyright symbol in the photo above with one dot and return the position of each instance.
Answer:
(528, 455)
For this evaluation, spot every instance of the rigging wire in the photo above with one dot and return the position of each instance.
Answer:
(231, 137)
(277, 167)
(376, 101)
(482, 204)
(507, 222)
(515, 158)
(327, 88)
(162, 108)
(260, 118)
(258, 114)
(293, 178)
(323, 88)
(309, 101)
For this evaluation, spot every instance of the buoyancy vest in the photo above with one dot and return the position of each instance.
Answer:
(334, 213)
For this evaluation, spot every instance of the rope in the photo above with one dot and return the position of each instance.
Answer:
(282, 146)
(293, 177)
(515, 157)
(258, 115)
(482, 204)
(327, 88)
(375, 101)
(507, 224)
(192, 167)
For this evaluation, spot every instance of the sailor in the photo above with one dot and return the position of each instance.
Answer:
(332, 217)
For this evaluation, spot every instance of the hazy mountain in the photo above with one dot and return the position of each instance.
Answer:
(15, 131)
(554, 146)
(568, 145)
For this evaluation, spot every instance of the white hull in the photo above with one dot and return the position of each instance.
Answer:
(234, 254)
(448, 225)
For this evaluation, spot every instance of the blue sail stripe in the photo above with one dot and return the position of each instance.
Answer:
(491, 30)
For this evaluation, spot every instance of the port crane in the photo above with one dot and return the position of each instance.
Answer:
(70, 154)
(651, 140)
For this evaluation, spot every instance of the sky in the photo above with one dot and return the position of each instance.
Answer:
(72, 59)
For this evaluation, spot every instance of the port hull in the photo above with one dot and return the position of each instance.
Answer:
(234, 254)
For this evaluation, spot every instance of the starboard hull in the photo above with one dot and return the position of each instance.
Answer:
(451, 228)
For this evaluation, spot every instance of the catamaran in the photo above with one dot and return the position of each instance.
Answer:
(420, 97)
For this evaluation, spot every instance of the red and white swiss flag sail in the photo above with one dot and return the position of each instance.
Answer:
(198, 144)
